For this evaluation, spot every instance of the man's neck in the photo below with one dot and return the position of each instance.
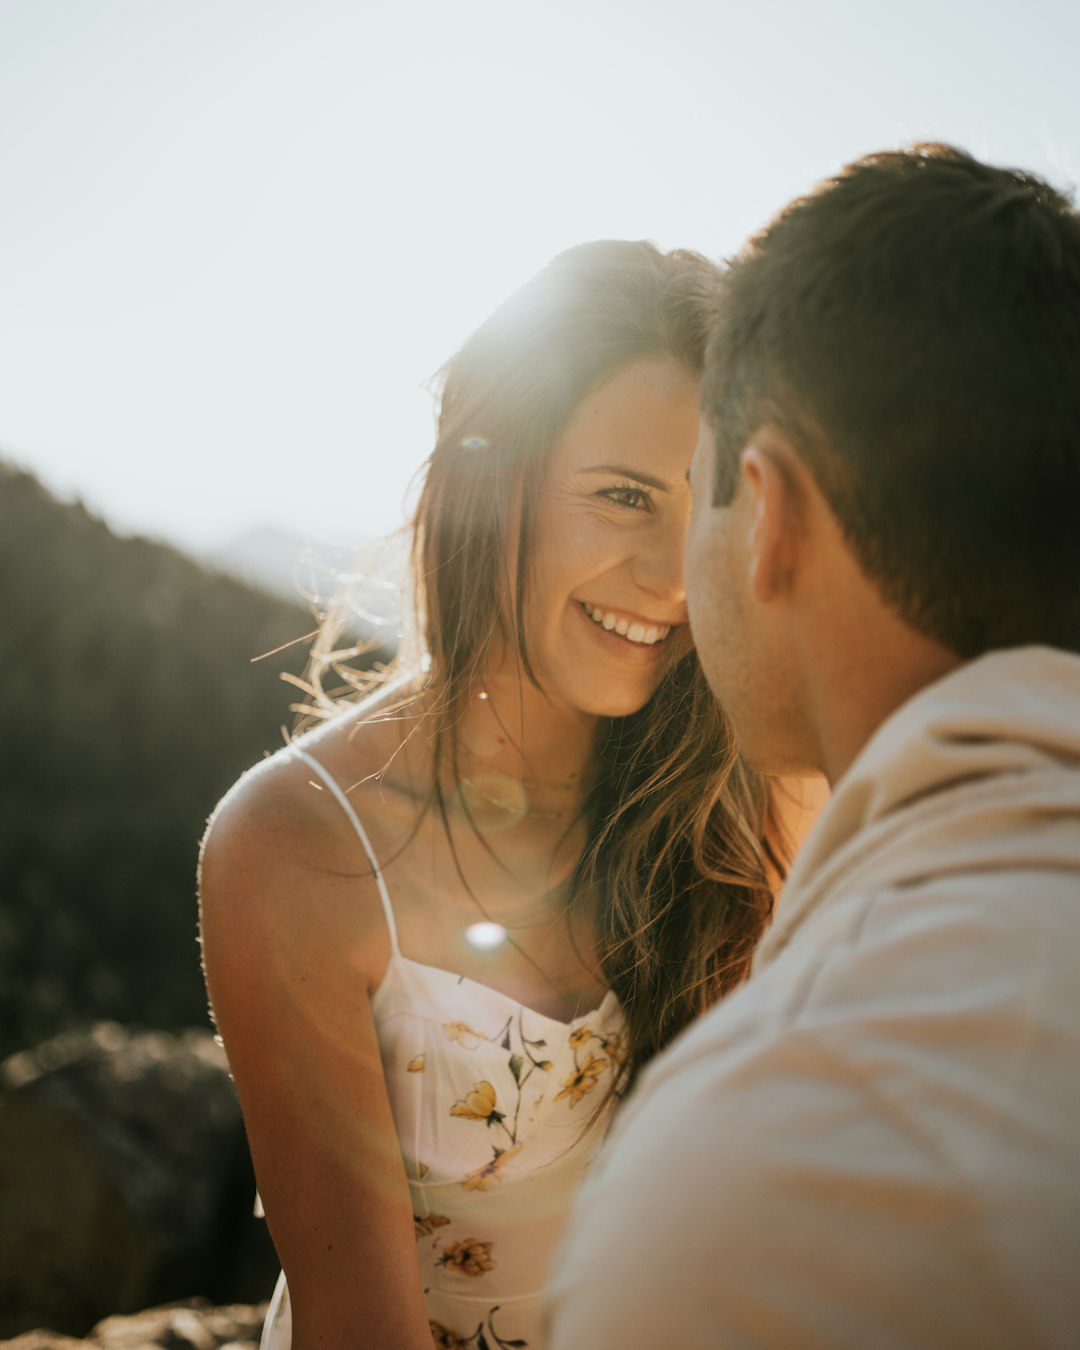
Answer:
(891, 664)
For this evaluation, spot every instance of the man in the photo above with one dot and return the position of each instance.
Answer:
(875, 1143)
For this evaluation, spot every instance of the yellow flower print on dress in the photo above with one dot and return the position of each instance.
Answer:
(484, 1178)
(614, 1047)
(479, 1104)
(416, 1064)
(425, 1224)
(581, 1036)
(469, 1256)
(442, 1338)
(464, 1034)
(583, 1080)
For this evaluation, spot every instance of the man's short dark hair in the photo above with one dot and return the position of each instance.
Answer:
(913, 326)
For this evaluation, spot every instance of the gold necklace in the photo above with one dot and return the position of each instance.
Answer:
(493, 801)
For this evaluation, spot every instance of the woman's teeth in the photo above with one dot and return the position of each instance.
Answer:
(633, 632)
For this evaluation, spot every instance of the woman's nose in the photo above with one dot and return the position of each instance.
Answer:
(658, 566)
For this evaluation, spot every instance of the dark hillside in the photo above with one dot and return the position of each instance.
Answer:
(128, 704)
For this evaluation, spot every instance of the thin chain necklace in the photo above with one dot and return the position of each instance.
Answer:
(493, 802)
(490, 935)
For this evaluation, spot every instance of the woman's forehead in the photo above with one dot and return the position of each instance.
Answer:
(642, 416)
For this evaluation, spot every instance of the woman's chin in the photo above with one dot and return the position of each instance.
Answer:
(613, 703)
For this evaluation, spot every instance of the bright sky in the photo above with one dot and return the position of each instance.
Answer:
(237, 236)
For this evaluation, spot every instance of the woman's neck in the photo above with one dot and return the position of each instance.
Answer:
(510, 727)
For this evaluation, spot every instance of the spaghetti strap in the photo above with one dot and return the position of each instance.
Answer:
(343, 801)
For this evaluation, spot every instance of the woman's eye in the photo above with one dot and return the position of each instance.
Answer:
(626, 495)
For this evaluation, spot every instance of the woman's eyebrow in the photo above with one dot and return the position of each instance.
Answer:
(636, 474)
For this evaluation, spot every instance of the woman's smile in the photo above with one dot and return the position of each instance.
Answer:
(633, 628)
(631, 639)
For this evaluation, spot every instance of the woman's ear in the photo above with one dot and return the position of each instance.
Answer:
(771, 485)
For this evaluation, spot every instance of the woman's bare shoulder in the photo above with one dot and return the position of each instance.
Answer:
(279, 851)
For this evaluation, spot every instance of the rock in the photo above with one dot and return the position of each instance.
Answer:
(44, 1340)
(192, 1325)
(124, 1181)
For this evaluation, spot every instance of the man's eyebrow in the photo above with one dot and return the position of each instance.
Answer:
(621, 471)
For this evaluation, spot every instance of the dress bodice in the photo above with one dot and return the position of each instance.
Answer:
(494, 1106)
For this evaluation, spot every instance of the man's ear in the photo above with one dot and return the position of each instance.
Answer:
(774, 524)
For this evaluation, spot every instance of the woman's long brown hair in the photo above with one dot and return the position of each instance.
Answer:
(676, 868)
(678, 863)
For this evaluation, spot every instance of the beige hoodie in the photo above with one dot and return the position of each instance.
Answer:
(876, 1142)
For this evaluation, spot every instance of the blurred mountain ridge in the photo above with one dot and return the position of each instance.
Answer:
(132, 694)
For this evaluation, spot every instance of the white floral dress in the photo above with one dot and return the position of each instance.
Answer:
(492, 1106)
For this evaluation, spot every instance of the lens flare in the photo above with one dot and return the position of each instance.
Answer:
(485, 936)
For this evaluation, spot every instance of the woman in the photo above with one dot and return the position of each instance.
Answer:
(551, 767)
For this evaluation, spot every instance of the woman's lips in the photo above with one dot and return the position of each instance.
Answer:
(644, 647)
(642, 631)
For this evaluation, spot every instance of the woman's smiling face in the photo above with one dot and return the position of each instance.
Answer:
(607, 602)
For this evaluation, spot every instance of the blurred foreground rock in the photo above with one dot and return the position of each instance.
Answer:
(125, 1182)
(193, 1325)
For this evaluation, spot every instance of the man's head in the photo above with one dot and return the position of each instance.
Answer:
(900, 351)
